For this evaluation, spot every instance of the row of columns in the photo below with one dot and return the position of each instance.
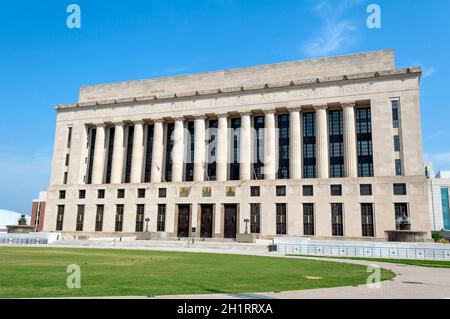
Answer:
(270, 151)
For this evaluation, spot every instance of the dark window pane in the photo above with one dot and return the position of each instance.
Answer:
(161, 222)
(80, 218)
(400, 189)
(365, 189)
(255, 218)
(99, 218)
(119, 218)
(336, 190)
(367, 220)
(308, 219)
(337, 220)
(162, 192)
(281, 190)
(254, 191)
(308, 190)
(281, 219)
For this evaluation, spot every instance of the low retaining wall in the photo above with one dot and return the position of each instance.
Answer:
(302, 246)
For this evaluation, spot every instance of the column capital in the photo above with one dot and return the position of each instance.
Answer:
(348, 104)
(222, 115)
(138, 122)
(295, 109)
(158, 121)
(99, 125)
(179, 119)
(119, 123)
(269, 111)
(200, 117)
(320, 107)
(249, 113)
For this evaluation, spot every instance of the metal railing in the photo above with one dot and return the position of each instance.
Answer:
(22, 241)
(364, 252)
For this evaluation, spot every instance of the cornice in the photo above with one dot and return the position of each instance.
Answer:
(417, 71)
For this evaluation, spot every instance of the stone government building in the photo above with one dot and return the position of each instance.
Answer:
(330, 148)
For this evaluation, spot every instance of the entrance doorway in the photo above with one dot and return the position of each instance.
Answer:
(230, 220)
(206, 221)
(183, 220)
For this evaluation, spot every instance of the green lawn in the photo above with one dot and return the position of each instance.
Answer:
(41, 272)
(413, 262)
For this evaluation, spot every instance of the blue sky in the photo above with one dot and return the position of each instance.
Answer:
(43, 63)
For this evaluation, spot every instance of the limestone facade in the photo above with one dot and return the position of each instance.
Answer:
(210, 142)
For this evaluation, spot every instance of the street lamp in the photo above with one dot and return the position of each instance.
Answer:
(147, 219)
(246, 221)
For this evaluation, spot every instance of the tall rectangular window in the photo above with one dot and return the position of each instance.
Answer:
(308, 219)
(161, 225)
(398, 167)
(336, 143)
(283, 146)
(169, 147)
(337, 220)
(212, 149)
(80, 218)
(309, 145)
(190, 148)
(235, 140)
(396, 143)
(112, 132)
(281, 219)
(148, 154)
(367, 220)
(140, 217)
(60, 218)
(258, 148)
(99, 218)
(445, 207)
(129, 154)
(395, 118)
(119, 218)
(69, 136)
(92, 132)
(364, 142)
(255, 218)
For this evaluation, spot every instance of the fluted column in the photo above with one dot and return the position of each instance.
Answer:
(222, 148)
(99, 155)
(118, 154)
(350, 155)
(157, 151)
(245, 151)
(322, 141)
(269, 145)
(178, 150)
(137, 159)
(199, 149)
(295, 143)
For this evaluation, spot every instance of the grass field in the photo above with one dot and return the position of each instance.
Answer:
(413, 262)
(41, 272)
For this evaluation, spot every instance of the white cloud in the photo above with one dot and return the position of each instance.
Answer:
(428, 71)
(332, 38)
(337, 32)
